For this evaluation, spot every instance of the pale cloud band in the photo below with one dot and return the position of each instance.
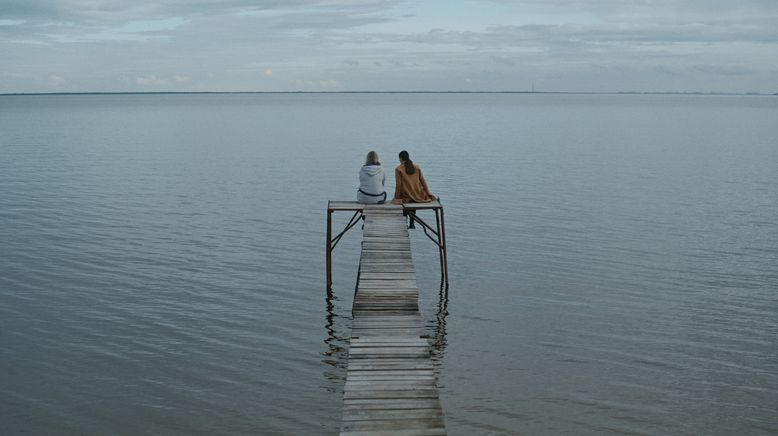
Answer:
(245, 45)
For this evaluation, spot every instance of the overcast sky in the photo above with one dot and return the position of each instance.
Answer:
(342, 45)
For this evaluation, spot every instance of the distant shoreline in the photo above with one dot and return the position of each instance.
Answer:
(392, 92)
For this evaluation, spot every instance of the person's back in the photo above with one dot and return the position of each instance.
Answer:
(371, 181)
(411, 187)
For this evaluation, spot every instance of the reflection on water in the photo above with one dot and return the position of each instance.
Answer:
(336, 355)
(438, 326)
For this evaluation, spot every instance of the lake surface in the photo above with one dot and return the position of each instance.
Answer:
(613, 260)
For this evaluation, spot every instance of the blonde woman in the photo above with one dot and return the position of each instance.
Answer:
(371, 181)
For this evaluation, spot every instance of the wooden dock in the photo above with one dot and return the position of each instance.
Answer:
(390, 385)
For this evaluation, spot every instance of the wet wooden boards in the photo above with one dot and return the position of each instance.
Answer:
(390, 385)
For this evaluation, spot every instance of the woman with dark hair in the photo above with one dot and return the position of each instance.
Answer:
(371, 181)
(411, 186)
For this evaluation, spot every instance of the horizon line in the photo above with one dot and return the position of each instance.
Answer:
(391, 92)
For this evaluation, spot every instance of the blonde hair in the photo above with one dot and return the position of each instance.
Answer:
(372, 159)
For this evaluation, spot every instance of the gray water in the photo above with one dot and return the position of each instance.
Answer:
(613, 261)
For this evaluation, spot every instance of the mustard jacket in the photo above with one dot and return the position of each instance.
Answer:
(411, 188)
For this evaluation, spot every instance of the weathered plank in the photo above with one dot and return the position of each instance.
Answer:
(353, 205)
(419, 432)
(394, 424)
(371, 275)
(373, 414)
(377, 326)
(390, 404)
(385, 326)
(392, 376)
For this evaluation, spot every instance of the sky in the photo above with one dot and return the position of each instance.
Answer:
(389, 45)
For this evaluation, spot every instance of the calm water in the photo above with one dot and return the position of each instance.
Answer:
(613, 261)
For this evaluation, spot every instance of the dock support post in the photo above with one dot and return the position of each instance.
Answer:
(440, 246)
(439, 238)
(443, 246)
(329, 249)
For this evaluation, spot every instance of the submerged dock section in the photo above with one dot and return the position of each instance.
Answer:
(390, 385)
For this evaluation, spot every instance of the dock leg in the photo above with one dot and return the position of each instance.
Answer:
(443, 245)
(440, 245)
(359, 271)
(329, 249)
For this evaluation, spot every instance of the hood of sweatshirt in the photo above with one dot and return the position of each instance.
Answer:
(372, 170)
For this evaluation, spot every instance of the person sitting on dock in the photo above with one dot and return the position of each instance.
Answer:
(410, 184)
(371, 181)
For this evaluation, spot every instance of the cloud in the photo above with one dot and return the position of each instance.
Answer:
(55, 81)
(79, 20)
(76, 21)
(724, 70)
(27, 41)
(502, 60)
(330, 84)
(388, 44)
(150, 80)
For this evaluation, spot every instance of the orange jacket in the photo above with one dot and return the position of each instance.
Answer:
(411, 188)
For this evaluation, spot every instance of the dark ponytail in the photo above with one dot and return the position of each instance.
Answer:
(409, 168)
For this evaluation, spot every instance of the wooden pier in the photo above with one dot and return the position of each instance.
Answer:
(390, 385)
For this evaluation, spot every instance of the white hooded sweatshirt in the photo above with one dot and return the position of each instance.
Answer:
(371, 181)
